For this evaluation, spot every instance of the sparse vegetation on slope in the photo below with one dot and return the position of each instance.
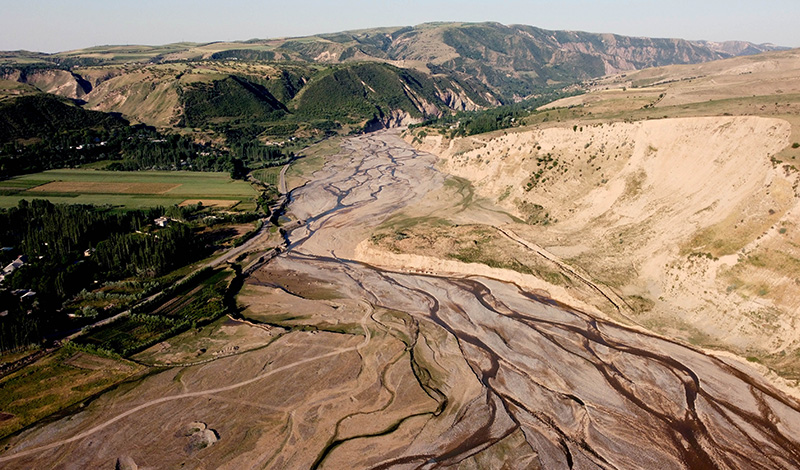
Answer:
(680, 193)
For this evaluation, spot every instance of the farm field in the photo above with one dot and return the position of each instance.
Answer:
(268, 175)
(55, 382)
(127, 189)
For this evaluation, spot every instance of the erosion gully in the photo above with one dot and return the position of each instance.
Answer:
(586, 392)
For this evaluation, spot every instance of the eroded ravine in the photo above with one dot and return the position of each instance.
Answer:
(390, 369)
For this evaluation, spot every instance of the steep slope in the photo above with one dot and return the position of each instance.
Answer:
(279, 97)
(142, 94)
(50, 80)
(533, 56)
(691, 218)
(227, 99)
(160, 94)
(386, 95)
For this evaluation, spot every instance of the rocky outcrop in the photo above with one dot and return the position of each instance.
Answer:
(395, 118)
(200, 437)
(56, 81)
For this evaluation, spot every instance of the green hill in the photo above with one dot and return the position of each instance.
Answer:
(232, 98)
(42, 115)
(362, 91)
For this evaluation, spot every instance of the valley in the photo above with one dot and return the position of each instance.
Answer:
(453, 245)
(460, 369)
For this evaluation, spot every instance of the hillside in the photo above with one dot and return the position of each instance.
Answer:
(430, 70)
(391, 95)
(675, 188)
(512, 60)
(227, 99)
(279, 99)
(37, 116)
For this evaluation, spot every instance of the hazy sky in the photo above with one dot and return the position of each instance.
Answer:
(58, 25)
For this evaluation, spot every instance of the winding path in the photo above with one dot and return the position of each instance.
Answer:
(182, 396)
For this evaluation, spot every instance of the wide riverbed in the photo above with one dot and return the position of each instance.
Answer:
(381, 369)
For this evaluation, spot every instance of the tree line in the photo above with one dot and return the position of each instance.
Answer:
(467, 123)
(134, 148)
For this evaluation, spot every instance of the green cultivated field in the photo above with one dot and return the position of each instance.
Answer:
(268, 175)
(126, 189)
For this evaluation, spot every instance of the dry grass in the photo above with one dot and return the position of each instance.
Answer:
(55, 382)
(314, 159)
(689, 211)
(483, 244)
(223, 337)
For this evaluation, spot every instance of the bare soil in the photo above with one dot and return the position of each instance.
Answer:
(691, 217)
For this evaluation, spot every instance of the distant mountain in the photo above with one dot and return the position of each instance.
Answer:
(740, 48)
(355, 79)
(513, 60)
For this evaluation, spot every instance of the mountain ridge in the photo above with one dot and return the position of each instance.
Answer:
(340, 82)
(732, 47)
(515, 48)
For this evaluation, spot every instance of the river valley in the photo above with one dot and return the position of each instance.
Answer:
(369, 367)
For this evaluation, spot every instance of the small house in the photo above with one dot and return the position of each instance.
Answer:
(14, 265)
(28, 295)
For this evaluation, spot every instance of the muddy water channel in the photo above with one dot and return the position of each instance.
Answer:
(363, 367)
(585, 393)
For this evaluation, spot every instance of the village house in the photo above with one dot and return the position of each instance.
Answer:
(13, 266)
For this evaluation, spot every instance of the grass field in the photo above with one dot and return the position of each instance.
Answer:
(314, 159)
(127, 189)
(55, 382)
(268, 175)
